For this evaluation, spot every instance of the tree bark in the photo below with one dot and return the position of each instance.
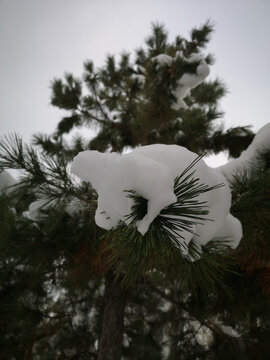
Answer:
(111, 339)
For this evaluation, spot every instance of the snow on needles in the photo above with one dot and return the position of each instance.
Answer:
(249, 158)
(6, 180)
(150, 171)
(190, 81)
(162, 59)
(187, 81)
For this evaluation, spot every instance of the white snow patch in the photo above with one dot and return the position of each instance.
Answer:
(190, 81)
(204, 336)
(74, 206)
(6, 180)
(78, 319)
(126, 340)
(228, 330)
(150, 171)
(187, 81)
(21, 267)
(179, 134)
(231, 231)
(166, 306)
(33, 212)
(178, 121)
(141, 69)
(179, 53)
(249, 157)
(140, 78)
(162, 60)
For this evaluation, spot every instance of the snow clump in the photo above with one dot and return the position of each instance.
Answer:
(162, 60)
(140, 78)
(249, 158)
(189, 81)
(34, 211)
(150, 171)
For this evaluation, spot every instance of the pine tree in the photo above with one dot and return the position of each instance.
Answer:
(69, 289)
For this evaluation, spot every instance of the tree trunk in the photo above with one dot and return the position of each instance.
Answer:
(110, 342)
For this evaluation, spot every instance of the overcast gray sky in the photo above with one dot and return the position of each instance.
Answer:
(40, 40)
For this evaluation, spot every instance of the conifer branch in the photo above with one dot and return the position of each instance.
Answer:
(42, 175)
(163, 247)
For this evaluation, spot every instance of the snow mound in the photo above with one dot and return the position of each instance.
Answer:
(249, 157)
(150, 171)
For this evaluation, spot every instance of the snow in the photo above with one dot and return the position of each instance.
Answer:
(111, 174)
(166, 306)
(126, 340)
(150, 171)
(74, 205)
(141, 69)
(33, 212)
(249, 157)
(231, 231)
(140, 78)
(178, 121)
(187, 81)
(203, 335)
(162, 60)
(6, 180)
(228, 330)
(190, 81)
(78, 319)
(179, 134)
(43, 202)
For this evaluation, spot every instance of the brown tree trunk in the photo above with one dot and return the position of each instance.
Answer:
(111, 339)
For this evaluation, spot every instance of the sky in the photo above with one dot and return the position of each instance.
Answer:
(41, 40)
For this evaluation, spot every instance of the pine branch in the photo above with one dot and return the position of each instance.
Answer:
(162, 249)
(42, 175)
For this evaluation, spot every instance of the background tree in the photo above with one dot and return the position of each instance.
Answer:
(57, 274)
